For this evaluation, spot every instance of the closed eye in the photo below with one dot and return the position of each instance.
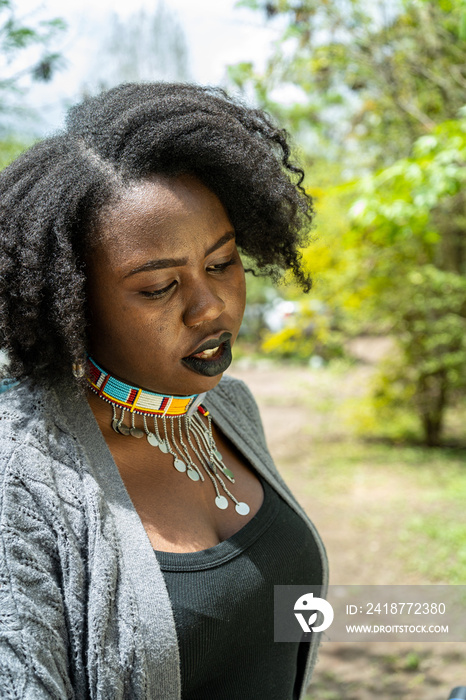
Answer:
(220, 267)
(216, 269)
(159, 292)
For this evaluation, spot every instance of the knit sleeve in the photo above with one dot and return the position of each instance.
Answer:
(34, 647)
(234, 400)
(247, 402)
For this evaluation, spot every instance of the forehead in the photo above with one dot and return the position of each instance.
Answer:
(162, 214)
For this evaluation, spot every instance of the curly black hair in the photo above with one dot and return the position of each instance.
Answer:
(51, 196)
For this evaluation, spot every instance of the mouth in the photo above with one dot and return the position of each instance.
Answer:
(212, 357)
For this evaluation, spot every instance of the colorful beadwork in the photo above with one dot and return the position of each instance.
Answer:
(197, 458)
(135, 400)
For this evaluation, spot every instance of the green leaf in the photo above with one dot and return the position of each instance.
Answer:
(462, 27)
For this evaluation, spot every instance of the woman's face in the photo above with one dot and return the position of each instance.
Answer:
(164, 280)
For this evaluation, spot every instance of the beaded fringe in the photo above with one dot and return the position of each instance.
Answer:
(166, 433)
(166, 414)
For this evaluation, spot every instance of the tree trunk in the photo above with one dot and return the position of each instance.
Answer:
(432, 400)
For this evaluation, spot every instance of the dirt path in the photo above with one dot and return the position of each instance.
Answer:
(293, 422)
(299, 408)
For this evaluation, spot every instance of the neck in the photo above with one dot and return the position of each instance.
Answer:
(124, 396)
(175, 426)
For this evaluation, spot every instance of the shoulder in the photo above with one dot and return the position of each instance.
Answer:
(232, 388)
(37, 455)
(234, 400)
(26, 415)
(42, 545)
(22, 412)
(237, 394)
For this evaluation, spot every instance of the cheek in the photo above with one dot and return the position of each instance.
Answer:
(239, 287)
(111, 317)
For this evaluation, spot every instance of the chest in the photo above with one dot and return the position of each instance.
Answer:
(223, 604)
(178, 513)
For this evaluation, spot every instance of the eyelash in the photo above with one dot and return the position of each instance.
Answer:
(217, 269)
(221, 267)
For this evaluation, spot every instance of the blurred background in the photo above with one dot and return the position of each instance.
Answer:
(362, 382)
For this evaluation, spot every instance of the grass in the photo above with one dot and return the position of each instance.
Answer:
(440, 551)
(417, 492)
(394, 507)
(422, 491)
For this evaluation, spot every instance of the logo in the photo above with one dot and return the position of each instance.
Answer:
(312, 604)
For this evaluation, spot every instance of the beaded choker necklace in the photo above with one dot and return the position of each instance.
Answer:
(163, 420)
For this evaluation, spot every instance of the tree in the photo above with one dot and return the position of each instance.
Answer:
(381, 88)
(145, 46)
(416, 273)
(373, 77)
(18, 35)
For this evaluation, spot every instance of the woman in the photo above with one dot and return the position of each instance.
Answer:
(143, 522)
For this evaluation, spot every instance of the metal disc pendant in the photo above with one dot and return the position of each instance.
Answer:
(163, 447)
(242, 508)
(135, 432)
(152, 440)
(123, 429)
(179, 465)
(192, 473)
(221, 502)
(115, 425)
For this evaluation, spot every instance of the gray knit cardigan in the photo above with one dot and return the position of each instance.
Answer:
(84, 611)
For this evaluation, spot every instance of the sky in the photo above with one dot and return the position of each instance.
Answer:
(216, 32)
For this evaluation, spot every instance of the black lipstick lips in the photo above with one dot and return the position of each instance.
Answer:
(212, 343)
(215, 365)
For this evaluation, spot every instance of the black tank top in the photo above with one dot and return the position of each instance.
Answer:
(222, 600)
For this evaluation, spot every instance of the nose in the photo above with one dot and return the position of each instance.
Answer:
(202, 306)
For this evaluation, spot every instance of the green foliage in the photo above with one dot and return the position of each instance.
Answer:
(17, 36)
(383, 414)
(412, 214)
(382, 90)
(430, 324)
(378, 75)
(440, 539)
(9, 150)
(412, 661)
(418, 271)
(305, 334)
(404, 204)
(398, 263)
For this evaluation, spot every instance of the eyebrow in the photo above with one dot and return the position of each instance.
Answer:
(178, 262)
